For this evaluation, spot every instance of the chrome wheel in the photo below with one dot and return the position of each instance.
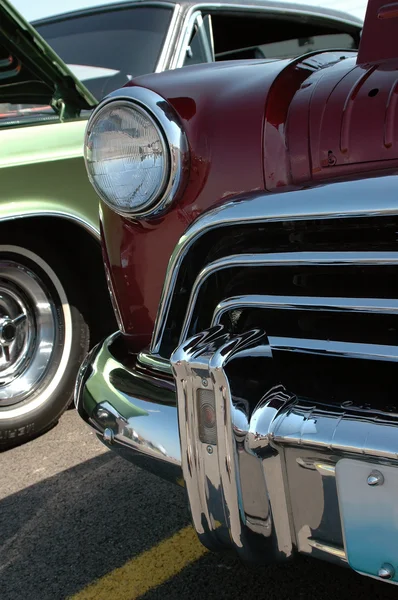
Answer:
(27, 332)
(43, 334)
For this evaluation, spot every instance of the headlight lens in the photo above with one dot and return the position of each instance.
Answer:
(127, 157)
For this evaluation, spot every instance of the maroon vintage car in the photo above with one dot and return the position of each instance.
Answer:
(249, 220)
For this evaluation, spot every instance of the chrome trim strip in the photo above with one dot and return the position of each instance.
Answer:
(168, 45)
(163, 114)
(155, 362)
(314, 346)
(283, 259)
(328, 549)
(89, 227)
(180, 52)
(374, 197)
(334, 348)
(386, 306)
(90, 10)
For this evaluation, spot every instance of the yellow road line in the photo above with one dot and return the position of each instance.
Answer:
(147, 570)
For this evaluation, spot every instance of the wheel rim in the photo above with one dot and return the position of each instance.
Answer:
(28, 332)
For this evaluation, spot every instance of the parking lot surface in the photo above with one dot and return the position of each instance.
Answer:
(78, 522)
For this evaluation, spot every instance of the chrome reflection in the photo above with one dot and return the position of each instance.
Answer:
(363, 432)
(154, 362)
(268, 484)
(157, 108)
(328, 549)
(313, 346)
(312, 440)
(308, 346)
(27, 331)
(282, 260)
(374, 197)
(388, 306)
(140, 411)
(227, 510)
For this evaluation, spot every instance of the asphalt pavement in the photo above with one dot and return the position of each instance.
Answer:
(78, 522)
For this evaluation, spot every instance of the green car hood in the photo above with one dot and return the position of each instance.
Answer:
(32, 73)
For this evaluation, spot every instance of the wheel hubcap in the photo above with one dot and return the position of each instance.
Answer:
(8, 331)
(27, 332)
(11, 334)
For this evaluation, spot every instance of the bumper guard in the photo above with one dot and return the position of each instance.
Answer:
(266, 475)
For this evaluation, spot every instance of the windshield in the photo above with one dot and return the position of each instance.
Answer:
(106, 49)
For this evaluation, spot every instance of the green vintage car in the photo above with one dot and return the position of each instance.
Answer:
(53, 297)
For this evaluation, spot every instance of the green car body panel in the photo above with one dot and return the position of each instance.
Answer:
(42, 167)
(42, 173)
(54, 303)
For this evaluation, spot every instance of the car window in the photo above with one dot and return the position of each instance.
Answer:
(14, 114)
(298, 46)
(200, 49)
(243, 36)
(106, 49)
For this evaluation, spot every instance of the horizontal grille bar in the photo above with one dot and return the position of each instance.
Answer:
(280, 260)
(313, 346)
(329, 348)
(388, 306)
(336, 349)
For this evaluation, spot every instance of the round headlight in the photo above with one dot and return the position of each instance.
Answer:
(127, 157)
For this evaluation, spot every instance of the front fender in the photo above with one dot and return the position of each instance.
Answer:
(9, 211)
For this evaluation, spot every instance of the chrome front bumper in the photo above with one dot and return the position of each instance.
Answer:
(266, 475)
(133, 414)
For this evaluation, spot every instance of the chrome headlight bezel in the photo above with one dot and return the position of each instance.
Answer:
(173, 138)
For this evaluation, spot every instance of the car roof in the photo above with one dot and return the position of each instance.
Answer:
(275, 5)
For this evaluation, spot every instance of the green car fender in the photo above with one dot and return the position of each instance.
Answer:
(43, 174)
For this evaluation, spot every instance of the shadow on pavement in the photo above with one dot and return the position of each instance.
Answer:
(212, 578)
(66, 531)
(62, 533)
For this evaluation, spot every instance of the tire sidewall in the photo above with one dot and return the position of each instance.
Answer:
(36, 414)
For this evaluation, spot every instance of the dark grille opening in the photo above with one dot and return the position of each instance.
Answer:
(342, 381)
(322, 377)
(347, 327)
(368, 235)
(285, 283)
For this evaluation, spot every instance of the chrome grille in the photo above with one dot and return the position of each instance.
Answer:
(322, 284)
(368, 200)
